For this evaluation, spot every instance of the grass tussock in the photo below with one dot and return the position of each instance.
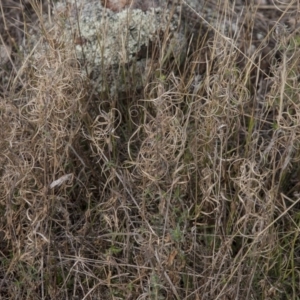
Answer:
(186, 189)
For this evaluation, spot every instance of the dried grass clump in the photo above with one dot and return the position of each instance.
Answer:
(39, 127)
(185, 189)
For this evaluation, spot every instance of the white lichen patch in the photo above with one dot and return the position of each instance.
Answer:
(117, 38)
(111, 47)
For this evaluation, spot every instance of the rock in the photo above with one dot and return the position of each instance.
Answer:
(112, 47)
(114, 44)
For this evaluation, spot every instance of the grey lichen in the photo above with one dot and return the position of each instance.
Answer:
(112, 48)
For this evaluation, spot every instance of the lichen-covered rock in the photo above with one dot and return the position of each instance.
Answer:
(113, 48)
(113, 43)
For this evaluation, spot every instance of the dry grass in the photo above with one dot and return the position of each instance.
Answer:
(188, 189)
